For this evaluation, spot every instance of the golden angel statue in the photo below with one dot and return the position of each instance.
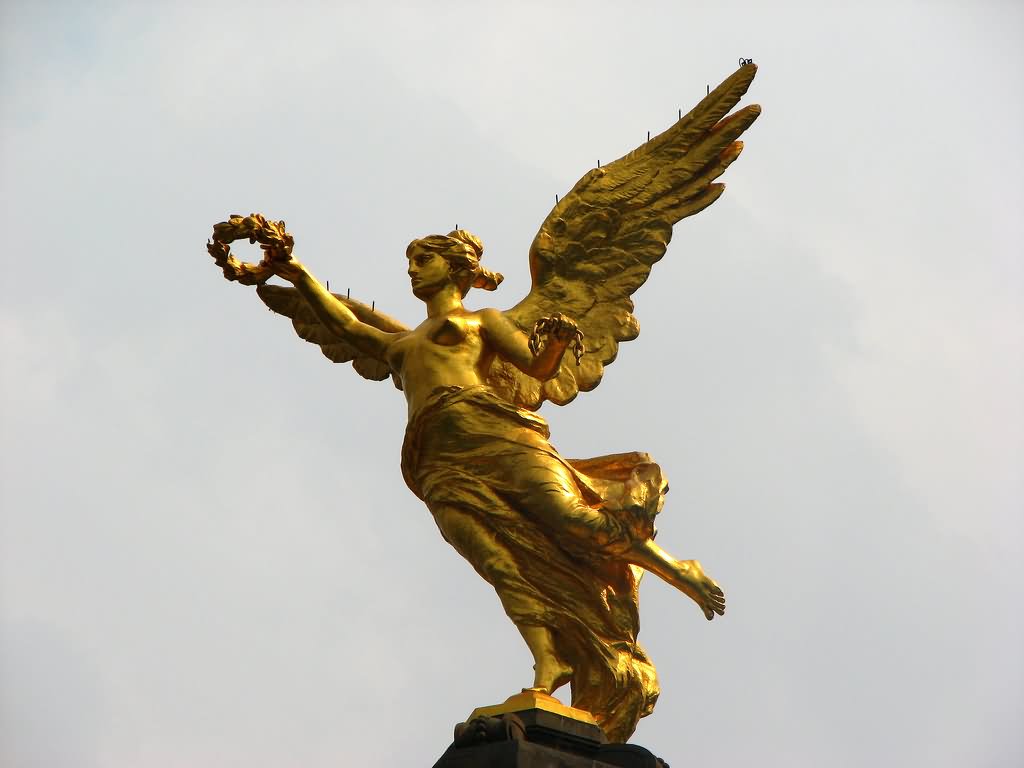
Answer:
(563, 542)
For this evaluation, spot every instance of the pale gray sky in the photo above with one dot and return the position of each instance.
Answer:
(207, 553)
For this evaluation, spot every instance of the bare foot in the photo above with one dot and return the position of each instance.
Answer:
(701, 588)
(550, 675)
(549, 671)
(685, 575)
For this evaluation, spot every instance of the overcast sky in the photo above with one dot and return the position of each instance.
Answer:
(207, 553)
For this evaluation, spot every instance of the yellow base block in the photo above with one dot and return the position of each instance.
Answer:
(533, 700)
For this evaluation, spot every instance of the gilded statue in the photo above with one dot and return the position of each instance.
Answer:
(563, 542)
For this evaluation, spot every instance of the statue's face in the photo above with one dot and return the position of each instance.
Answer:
(428, 272)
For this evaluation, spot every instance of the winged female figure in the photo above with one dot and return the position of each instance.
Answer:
(563, 542)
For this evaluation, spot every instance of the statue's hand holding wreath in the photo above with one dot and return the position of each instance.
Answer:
(276, 243)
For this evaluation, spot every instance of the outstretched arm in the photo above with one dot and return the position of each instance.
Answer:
(512, 344)
(334, 315)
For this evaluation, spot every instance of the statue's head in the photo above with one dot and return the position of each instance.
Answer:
(437, 260)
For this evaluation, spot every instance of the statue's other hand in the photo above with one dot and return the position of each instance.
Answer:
(562, 328)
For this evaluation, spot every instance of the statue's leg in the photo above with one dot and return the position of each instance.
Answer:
(685, 575)
(489, 557)
(549, 672)
(553, 498)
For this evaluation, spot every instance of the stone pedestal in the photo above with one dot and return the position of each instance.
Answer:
(532, 730)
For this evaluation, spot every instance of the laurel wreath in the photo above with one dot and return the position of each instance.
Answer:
(275, 241)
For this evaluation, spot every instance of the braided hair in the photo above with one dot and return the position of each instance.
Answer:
(463, 251)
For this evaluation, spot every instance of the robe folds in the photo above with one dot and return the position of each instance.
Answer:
(548, 533)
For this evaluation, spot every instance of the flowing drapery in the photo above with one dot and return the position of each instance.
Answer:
(548, 534)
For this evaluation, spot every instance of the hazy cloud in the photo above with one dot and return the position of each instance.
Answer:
(207, 553)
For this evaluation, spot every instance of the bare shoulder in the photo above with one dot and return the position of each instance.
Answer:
(489, 316)
(499, 329)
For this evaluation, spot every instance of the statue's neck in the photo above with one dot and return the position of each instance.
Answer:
(445, 302)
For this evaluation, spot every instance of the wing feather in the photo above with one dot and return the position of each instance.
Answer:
(289, 302)
(598, 244)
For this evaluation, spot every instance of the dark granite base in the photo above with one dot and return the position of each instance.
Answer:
(523, 754)
(538, 739)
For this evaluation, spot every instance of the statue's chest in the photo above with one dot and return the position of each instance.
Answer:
(451, 332)
(452, 336)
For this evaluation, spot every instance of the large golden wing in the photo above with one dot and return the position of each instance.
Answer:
(289, 302)
(598, 244)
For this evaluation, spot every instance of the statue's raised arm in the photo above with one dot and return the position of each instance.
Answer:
(345, 330)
